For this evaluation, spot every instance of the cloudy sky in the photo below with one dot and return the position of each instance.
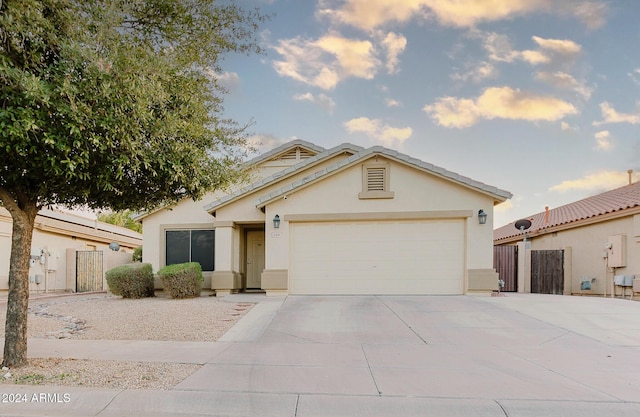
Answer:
(537, 97)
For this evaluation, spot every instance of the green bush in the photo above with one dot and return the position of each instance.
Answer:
(182, 280)
(137, 254)
(131, 280)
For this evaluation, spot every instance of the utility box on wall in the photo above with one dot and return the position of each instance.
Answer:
(617, 251)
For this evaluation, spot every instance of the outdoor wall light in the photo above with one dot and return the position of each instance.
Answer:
(482, 217)
(276, 222)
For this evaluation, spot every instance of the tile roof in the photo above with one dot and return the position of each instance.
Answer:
(285, 146)
(325, 153)
(499, 194)
(608, 202)
(252, 162)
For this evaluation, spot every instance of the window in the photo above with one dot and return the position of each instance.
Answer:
(190, 246)
(375, 181)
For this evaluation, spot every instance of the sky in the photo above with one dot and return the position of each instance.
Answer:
(540, 98)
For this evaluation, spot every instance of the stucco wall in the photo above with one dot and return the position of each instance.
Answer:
(183, 213)
(55, 243)
(414, 191)
(588, 246)
(189, 213)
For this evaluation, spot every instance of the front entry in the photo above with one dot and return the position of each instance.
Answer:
(255, 258)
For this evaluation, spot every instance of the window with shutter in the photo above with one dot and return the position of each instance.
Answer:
(375, 181)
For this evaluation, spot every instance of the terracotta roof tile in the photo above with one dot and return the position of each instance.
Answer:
(597, 205)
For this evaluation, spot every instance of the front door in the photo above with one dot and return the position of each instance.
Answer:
(255, 258)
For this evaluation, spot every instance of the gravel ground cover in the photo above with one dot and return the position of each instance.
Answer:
(106, 317)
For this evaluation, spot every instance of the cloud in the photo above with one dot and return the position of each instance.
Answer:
(565, 81)
(560, 46)
(325, 102)
(227, 80)
(326, 61)
(504, 206)
(612, 116)
(635, 75)
(476, 71)
(603, 140)
(592, 13)
(264, 142)
(376, 129)
(371, 14)
(566, 126)
(392, 103)
(394, 45)
(497, 102)
(499, 49)
(596, 182)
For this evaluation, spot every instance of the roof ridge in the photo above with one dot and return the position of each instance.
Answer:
(393, 154)
(279, 174)
(296, 142)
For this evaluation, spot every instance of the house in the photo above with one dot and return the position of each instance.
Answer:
(345, 220)
(58, 238)
(599, 235)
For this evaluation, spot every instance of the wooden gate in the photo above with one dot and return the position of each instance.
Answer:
(89, 271)
(547, 271)
(505, 262)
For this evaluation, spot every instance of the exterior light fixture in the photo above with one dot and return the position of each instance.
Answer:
(276, 222)
(482, 217)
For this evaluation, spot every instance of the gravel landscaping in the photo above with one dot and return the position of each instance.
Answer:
(106, 317)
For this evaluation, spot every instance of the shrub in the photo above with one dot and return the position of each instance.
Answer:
(131, 280)
(137, 254)
(182, 280)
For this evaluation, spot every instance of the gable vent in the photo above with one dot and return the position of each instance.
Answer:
(375, 179)
(296, 154)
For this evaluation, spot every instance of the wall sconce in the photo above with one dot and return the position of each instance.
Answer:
(276, 222)
(482, 217)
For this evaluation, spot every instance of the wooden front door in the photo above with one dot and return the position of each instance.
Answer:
(255, 258)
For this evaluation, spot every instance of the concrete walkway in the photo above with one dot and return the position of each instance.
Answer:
(521, 355)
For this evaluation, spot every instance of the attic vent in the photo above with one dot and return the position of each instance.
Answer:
(296, 154)
(304, 154)
(375, 179)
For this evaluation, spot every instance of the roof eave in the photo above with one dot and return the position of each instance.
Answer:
(613, 215)
(284, 174)
(497, 194)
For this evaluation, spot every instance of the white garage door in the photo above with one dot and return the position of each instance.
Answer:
(382, 257)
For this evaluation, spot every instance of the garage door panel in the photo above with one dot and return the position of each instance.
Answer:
(395, 257)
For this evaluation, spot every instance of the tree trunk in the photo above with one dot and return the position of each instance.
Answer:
(15, 342)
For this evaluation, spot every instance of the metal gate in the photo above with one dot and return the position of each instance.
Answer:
(89, 271)
(505, 262)
(547, 271)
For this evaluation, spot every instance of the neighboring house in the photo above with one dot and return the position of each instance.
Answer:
(600, 237)
(345, 220)
(57, 237)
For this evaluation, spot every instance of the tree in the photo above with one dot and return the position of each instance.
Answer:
(121, 218)
(111, 104)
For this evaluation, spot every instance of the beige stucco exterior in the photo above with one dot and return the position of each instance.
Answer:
(586, 253)
(329, 188)
(55, 236)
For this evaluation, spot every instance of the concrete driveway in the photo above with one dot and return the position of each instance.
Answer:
(522, 355)
(519, 355)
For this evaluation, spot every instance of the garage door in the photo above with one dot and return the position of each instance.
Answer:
(388, 257)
